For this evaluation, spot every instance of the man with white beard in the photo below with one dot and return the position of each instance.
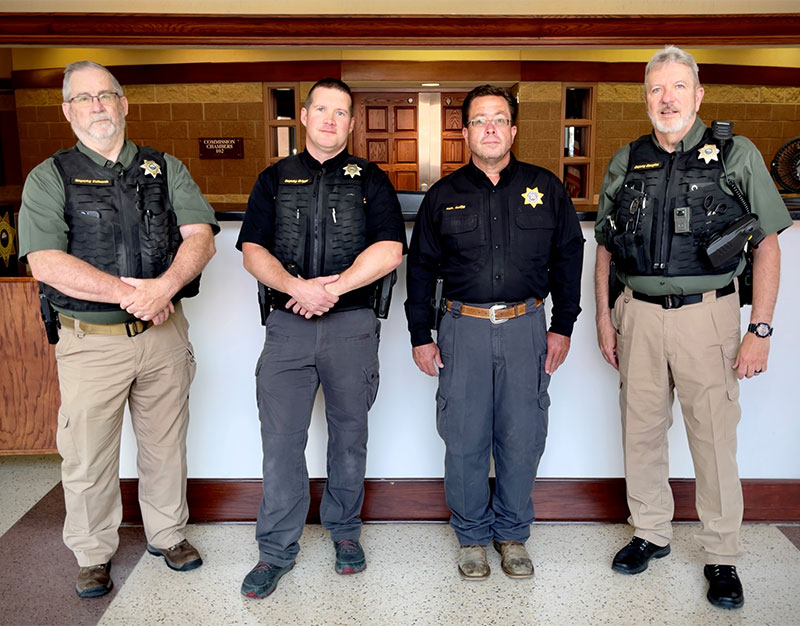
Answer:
(667, 201)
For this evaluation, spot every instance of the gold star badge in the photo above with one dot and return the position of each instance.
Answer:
(6, 239)
(708, 153)
(533, 196)
(151, 168)
(352, 170)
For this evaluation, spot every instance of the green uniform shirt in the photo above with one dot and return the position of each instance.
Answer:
(745, 166)
(42, 225)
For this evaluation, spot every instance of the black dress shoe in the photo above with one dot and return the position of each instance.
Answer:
(724, 586)
(634, 557)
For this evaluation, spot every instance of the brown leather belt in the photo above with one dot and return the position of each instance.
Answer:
(497, 314)
(130, 328)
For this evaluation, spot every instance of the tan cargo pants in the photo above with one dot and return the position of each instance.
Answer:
(97, 375)
(690, 349)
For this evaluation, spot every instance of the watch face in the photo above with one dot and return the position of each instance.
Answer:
(762, 329)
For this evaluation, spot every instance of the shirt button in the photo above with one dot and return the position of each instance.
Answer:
(494, 218)
(497, 247)
(497, 277)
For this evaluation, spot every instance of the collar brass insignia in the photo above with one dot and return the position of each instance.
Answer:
(151, 168)
(533, 197)
(708, 153)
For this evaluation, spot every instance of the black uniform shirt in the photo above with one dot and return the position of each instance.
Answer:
(384, 219)
(491, 244)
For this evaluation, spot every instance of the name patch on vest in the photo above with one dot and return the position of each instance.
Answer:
(646, 166)
(455, 208)
(91, 181)
(296, 181)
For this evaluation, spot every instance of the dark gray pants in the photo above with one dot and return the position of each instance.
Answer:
(339, 351)
(492, 399)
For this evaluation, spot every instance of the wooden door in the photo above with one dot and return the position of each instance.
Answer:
(386, 132)
(455, 152)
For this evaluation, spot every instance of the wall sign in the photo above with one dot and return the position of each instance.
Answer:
(221, 147)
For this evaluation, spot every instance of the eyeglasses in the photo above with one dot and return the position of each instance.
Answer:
(483, 122)
(84, 100)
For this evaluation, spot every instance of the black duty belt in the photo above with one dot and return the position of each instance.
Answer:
(676, 302)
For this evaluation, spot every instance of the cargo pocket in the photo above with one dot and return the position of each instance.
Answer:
(544, 383)
(373, 380)
(441, 405)
(731, 379)
(65, 442)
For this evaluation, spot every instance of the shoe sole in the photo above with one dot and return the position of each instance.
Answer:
(253, 595)
(656, 555)
(725, 604)
(350, 569)
(183, 568)
(95, 592)
(473, 578)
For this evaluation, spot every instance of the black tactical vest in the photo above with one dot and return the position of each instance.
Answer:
(320, 224)
(121, 222)
(668, 208)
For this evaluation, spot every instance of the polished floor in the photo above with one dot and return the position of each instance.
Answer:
(410, 579)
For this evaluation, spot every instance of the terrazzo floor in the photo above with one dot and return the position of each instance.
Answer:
(411, 576)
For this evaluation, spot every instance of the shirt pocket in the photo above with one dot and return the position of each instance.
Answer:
(463, 237)
(531, 236)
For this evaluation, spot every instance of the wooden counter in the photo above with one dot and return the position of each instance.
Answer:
(29, 396)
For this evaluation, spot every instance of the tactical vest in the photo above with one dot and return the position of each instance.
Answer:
(121, 222)
(668, 208)
(320, 223)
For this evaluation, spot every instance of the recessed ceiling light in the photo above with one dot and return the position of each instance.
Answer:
(430, 84)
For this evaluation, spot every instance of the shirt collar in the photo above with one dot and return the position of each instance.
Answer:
(328, 165)
(125, 157)
(479, 177)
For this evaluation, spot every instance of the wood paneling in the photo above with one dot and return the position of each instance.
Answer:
(29, 396)
(501, 72)
(415, 500)
(110, 29)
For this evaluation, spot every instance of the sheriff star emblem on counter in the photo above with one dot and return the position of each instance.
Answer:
(533, 197)
(352, 170)
(708, 153)
(151, 168)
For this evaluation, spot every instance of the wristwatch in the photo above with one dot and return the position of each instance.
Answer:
(762, 329)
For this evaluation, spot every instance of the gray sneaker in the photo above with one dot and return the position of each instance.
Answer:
(350, 557)
(94, 581)
(263, 579)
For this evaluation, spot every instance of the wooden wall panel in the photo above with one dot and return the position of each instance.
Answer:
(29, 396)
(414, 31)
(422, 499)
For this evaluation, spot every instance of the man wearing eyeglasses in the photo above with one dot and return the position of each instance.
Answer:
(502, 235)
(117, 234)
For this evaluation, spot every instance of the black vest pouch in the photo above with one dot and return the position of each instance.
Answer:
(624, 235)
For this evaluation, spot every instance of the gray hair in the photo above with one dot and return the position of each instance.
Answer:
(672, 54)
(85, 65)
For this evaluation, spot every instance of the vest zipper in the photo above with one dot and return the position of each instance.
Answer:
(663, 232)
(128, 252)
(316, 256)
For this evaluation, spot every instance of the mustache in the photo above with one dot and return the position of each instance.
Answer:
(100, 117)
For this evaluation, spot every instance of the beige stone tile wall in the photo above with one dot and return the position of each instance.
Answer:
(170, 118)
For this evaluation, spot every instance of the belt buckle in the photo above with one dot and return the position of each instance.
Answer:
(493, 309)
(131, 330)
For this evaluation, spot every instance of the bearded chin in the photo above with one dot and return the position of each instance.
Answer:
(673, 127)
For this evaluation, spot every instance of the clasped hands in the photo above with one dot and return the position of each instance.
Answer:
(148, 299)
(313, 296)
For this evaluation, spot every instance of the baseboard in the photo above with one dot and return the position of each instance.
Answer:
(422, 500)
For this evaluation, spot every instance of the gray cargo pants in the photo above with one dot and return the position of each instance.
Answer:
(339, 351)
(492, 399)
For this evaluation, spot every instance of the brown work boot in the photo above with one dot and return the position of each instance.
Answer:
(472, 564)
(181, 557)
(514, 559)
(94, 581)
